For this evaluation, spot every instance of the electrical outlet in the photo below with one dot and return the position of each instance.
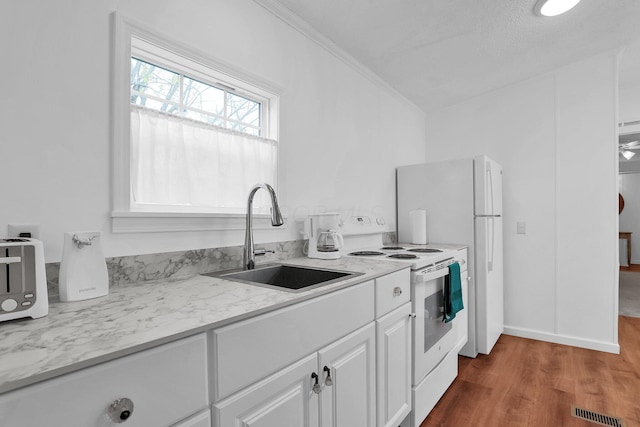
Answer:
(16, 229)
(521, 227)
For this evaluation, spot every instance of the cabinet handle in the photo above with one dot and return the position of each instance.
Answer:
(412, 315)
(316, 387)
(120, 410)
(397, 291)
(328, 381)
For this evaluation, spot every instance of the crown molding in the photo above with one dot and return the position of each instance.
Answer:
(303, 27)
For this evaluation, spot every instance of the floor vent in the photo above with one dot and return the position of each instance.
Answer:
(594, 417)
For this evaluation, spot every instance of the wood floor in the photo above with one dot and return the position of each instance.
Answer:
(533, 383)
(631, 267)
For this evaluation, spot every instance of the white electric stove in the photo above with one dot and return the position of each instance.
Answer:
(363, 238)
(435, 343)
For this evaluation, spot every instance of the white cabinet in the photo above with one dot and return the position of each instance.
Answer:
(393, 348)
(461, 322)
(252, 349)
(288, 399)
(350, 364)
(165, 384)
(284, 399)
(393, 342)
(260, 372)
(392, 290)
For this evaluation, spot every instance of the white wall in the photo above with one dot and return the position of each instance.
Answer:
(555, 137)
(629, 97)
(341, 134)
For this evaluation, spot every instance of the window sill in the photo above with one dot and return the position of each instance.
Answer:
(159, 222)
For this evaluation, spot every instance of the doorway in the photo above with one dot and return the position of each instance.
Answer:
(629, 226)
(629, 181)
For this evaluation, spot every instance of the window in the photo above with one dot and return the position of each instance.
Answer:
(164, 90)
(191, 135)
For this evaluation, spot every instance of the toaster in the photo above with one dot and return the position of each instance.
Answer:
(23, 281)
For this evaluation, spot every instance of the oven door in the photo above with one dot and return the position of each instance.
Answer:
(432, 338)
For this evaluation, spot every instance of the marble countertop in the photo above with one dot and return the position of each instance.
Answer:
(76, 335)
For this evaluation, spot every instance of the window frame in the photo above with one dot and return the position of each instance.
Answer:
(132, 36)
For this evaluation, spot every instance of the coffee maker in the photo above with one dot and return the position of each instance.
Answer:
(324, 241)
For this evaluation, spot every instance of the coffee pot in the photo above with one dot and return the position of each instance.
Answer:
(329, 241)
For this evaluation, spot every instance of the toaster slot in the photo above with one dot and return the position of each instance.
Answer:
(29, 269)
(5, 272)
(16, 269)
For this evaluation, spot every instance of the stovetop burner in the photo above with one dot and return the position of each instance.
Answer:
(392, 248)
(366, 253)
(403, 256)
(425, 250)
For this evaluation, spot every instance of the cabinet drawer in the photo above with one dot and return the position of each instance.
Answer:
(250, 350)
(392, 291)
(434, 385)
(166, 384)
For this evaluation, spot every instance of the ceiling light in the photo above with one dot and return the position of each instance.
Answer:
(554, 7)
(627, 154)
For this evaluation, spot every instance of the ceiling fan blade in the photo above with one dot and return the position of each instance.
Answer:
(632, 145)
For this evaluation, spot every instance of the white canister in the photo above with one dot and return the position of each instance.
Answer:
(83, 270)
(418, 219)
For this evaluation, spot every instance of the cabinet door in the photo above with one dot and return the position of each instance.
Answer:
(284, 399)
(350, 363)
(393, 342)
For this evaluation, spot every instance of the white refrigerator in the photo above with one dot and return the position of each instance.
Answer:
(463, 200)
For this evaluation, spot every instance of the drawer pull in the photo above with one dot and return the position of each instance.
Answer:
(120, 410)
(316, 387)
(397, 291)
(328, 381)
(412, 315)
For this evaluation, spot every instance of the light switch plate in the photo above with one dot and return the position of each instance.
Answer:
(521, 227)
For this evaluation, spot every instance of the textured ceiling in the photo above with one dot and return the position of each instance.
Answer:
(439, 52)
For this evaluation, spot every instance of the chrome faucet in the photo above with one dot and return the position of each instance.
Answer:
(249, 255)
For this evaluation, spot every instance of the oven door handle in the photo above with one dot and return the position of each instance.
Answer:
(421, 278)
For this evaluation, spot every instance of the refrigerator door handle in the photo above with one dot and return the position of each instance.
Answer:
(490, 184)
(493, 243)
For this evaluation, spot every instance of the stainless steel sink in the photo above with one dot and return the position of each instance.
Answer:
(290, 278)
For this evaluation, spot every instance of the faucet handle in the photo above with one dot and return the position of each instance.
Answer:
(261, 251)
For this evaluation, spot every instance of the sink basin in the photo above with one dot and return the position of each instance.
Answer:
(289, 278)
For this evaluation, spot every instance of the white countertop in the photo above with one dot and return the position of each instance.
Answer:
(75, 335)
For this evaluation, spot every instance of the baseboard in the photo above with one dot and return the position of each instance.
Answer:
(563, 339)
